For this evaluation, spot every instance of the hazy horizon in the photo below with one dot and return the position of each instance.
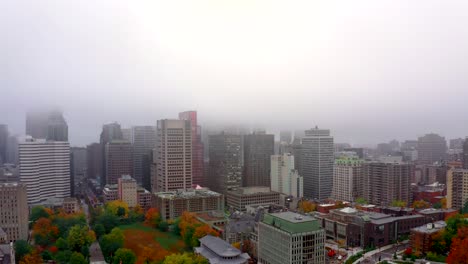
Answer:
(371, 71)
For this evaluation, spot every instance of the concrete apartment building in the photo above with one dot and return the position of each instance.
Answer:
(457, 188)
(287, 237)
(317, 163)
(172, 204)
(173, 155)
(119, 160)
(258, 148)
(421, 237)
(225, 165)
(45, 169)
(71, 205)
(198, 176)
(431, 148)
(384, 183)
(285, 178)
(14, 211)
(128, 190)
(237, 200)
(347, 178)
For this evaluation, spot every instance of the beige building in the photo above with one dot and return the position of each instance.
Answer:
(457, 188)
(173, 156)
(14, 211)
(71, 205)
(237, 200)
(128, 190)
(347, 178)
(173, 204)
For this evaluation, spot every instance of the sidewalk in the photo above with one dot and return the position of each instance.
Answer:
(376, 251)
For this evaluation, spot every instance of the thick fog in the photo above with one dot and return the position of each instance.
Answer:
(369, 70)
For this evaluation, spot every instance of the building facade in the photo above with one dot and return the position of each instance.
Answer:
(225, 165)
(172, 204)
(14, 211)
(198, 176)
(384, 183)
(347, 178)
(290, 238)
(144, 141)
(45, 169)
(78, 169)
(431, 148)
(317, 163)
(128, 190)
(237, 200)
(258, 149)
(110, 132)
(119, 160)
(284, 177)
(173, 155)
(3, 143)
(94, 161)
(457, 188)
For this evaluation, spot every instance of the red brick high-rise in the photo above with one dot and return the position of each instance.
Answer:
(198, 176)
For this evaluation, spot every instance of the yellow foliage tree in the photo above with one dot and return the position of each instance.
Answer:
(421, 204)
(117, 207)
(306, 206)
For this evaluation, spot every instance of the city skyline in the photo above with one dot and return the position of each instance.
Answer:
(399, 66)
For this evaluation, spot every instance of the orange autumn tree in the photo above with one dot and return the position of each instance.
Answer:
(191, 229)
(306, 206)
(458, 249)
(44, 232)
(153, 217)
(32, 258)
(421, 204)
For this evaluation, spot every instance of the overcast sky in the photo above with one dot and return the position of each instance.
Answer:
(369, 70)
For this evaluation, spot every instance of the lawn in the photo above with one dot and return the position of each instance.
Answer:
(150, 243)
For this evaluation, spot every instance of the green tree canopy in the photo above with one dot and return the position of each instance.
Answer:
(124, 256)
(77, 258)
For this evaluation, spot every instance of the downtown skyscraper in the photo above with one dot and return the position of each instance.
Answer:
(45, 169)
(144, 141)
(225, 166)
(258, 149)
(317, 163)
(198, 176)
(50, 125)
(173, 156)
(431, 148)
(119, 160)
(110, 132)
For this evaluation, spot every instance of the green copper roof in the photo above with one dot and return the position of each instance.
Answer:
(292, 222)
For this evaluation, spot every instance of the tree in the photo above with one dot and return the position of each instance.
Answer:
(44, 232)
(46, 255)
(22, 248)
(163, 226)
(306, 206)
(77, 258)
(361, 201)
(117, 208)
(458, 252)
(99, 230)
(152, 217)
(124, 256)
(32, 258)
(63, 256)
(464, 210)
(200, 232)
(108, 220)
(80, 236)
(399, 203)
(421, 204)
(61, 244)
(38, 212)
(112, 242)
(185, 258)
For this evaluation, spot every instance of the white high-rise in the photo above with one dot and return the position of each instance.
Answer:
(173, 155)
(347, 178)
(284, 178)
(45, 169)
(317, 163)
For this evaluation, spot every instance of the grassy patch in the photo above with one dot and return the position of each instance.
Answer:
(137, 226)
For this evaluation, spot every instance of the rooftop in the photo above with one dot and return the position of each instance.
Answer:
(430, 228)
(292, 222)
(191, 193)
(219, 246)
(252, 190)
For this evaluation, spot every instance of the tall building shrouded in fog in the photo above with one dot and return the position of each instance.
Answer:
(384, 183)
(286, 136)
(198, 176)
(173, 155)
(111, 131)
(431, 148)
(77, 169)
(284, 178)
(317, 163)
(94, 158)
(144, 141)
(50, 125)
(465, 154)
(3, 143)
(119, 160)
(225, 166)
(45, 169)
(258, 149)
